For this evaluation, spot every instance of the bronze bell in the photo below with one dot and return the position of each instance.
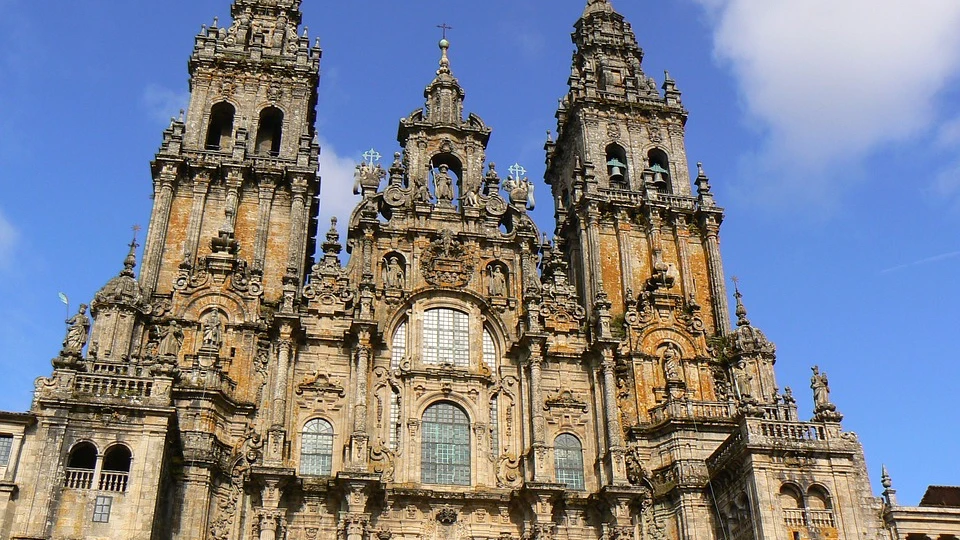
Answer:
(616, 167)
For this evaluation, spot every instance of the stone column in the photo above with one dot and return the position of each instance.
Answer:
(295, 253)
(360, 403)
(234, 181)
(280, 387)
(157, 235)
(201, 186)
(718, 285)
(612, 415)
(267, 190)
(682, 233)
(536, 409)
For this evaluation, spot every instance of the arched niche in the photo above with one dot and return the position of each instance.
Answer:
(269, 132)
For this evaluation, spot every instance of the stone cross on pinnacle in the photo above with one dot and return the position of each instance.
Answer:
(371, 157)
(517, 171)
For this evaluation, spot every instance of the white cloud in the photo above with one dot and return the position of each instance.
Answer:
(8, 240)
(162, 103)
(830, 81)
(336, 189)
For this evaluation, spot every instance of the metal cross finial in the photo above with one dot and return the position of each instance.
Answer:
(517, 171)
(444, 27)
(136, 229)
(371, 157)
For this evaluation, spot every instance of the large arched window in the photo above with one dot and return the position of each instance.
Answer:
(445, 450)
(316, 448)
(116, 469)
(446, 337)
(221, 126)
(270, 132)
(81, 465)
(568, 460)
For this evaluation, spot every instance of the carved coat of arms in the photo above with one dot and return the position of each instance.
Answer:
(447, 263)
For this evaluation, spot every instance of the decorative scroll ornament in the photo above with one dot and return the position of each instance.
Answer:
(446, 263)
(565, 400)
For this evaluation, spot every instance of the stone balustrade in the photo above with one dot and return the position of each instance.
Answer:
(79, 478)
(114, 481)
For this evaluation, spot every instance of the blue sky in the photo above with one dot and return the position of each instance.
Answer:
(830, 130)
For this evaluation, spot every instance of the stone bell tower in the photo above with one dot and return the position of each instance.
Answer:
(236, 178)
(620, 179)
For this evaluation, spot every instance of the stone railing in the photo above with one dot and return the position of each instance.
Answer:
(114, 481)
(794, 518)
(692, 410)
(677, 201)
(791, 431)
(821, 519)
(109, 386)
(79, 479)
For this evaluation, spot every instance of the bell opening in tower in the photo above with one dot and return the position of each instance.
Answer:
(220, 129)
(660, 166)
(270, 132)
(617, 166)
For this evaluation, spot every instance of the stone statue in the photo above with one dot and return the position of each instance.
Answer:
(443, 184)
(521, 192)
(171, 340)
(421, 193)
(76, 336)
(671, 365)
(498, 281)
(821, 388)
(393, 274)
(213, 331)
(744, 380)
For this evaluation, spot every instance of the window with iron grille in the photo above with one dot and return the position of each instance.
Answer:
(399, 347)
(446, 337)
(568, 454)
(316, 448)
(445, 446)
(394, 420)
(101, 509)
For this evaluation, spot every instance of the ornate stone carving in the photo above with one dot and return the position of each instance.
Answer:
(508, 471)
(447, 263)
(824, 410)
(565, 400)
(320, 383)
(447, 515)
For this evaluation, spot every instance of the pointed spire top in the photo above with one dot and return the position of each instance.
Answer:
(885, 479)
(131, 261)
(741, 309)
(444, 48)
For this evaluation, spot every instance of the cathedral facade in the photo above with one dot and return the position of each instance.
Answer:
(463, 375)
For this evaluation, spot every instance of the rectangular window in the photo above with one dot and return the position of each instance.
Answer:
(101, 509)
(6, 443)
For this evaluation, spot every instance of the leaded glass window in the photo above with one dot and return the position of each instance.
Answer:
(316, 448)
(446, 337)
(394, 420)
(568, 454)
(445, 446)
(6, 442)
(399, 348)
(489, 351)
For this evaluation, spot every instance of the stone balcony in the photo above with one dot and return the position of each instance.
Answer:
(106, 384)
(765, 434)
